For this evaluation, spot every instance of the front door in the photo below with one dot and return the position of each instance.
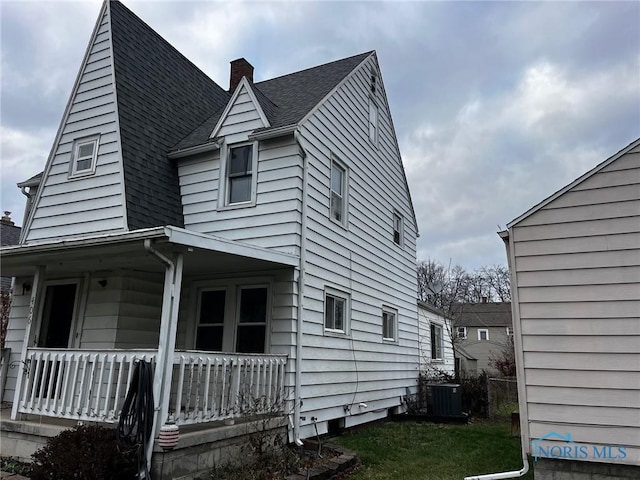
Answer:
(57, 315)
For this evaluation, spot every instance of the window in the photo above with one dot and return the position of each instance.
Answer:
(84, 155)
(397, 228)
(483, 334)
(338, 189)
(462, 332)
(389, 324)
(509, 332)
(336, 306)
(252, 320)
(436, 342)
(229, 316)
(373, 121)
(240, 174)
(210, 328)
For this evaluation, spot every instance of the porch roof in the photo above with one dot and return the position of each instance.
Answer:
(202, 253)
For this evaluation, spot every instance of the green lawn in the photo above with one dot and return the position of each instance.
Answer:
(411, 450)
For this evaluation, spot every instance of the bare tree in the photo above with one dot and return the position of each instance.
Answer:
(449, 288)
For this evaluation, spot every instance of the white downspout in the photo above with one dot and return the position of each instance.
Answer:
(166, 342)
(522, 403)
(303, 254)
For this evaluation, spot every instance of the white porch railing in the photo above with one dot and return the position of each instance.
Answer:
(78, 384)
(92, 385)
(209, 386)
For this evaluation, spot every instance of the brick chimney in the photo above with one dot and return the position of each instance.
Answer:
(239, 68)
(6, 219)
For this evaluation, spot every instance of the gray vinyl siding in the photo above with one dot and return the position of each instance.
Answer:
(359, 259)
(577, 268)
(242, 119)
(273, 222)
(89, 204)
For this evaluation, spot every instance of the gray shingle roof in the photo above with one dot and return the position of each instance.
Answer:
(492, 314)
(285, 100)
(165, 103)
(162, 97)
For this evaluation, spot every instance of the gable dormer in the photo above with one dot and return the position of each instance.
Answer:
(242, 115)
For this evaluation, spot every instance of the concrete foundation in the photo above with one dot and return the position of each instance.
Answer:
(200, 448)
(558, 469)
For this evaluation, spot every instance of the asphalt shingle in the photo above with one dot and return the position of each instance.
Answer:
(162, 97)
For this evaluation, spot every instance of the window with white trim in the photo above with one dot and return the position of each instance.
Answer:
(373, 121)
(338, 192)
(437, 342)
(462, 332)
(483, 334)
(389, 324)
(84, 156)
(252, 319)
(231, 316)
(210, 328)
(240, 172)
(398, 227)
(336, 311)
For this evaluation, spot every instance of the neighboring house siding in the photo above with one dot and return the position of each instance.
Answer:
(93, 203)
(274, 222)
(15, 332)
(577, 269)
(484, 350)
(425, 319)
(359, 259)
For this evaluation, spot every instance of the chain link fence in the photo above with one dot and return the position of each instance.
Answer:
(502, 396)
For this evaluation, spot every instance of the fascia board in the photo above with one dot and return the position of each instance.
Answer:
(209, 242)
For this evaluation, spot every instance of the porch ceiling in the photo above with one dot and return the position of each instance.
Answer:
(202, 254)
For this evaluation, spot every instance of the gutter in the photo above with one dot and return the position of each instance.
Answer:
(522, 402)
(186, 152)
(303, 254)
(276, 132)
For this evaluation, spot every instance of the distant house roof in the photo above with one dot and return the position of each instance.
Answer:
(432, 308)
(9, 235)
(490, 314)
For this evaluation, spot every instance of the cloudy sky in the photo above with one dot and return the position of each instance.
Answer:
(496, 105)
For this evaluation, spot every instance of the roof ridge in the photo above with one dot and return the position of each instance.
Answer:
(364, 54)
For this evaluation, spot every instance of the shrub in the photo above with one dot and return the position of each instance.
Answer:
(86, 453)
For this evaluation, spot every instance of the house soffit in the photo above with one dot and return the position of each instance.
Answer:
(203, 254)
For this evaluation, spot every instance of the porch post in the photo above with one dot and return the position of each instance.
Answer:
(166, 341)
(38, 280)
(171, 340)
